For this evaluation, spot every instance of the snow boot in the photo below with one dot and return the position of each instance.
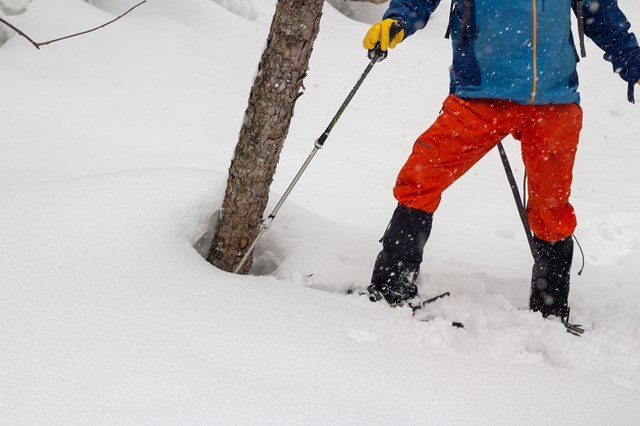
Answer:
(396, 268)
(550, 278)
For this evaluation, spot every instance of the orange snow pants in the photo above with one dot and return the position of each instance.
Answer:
(469, 128)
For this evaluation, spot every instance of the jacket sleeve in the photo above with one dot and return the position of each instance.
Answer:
(607, 26)
(414, 13)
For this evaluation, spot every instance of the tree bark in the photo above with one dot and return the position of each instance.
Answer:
(276, 88)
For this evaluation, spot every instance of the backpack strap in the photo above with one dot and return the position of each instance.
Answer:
(577, 9)
(466, 17)
(447, 34)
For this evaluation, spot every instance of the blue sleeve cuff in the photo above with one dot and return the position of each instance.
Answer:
(413, 13)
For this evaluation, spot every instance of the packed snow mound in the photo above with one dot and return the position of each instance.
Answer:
(262, 10)
(115, 6)
(361, 11)
(14, 7)
(249, 9)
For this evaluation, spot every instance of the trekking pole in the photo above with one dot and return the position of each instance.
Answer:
(516, 195)
(375, 55)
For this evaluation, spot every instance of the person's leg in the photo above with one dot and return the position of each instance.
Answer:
(550, 278)
(549, 143)
(464, 132)
(462, 135)
(398, 263)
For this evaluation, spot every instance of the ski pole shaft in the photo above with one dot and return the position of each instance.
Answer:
(323, 137)
(293, 183)
(267, 222)
(376, 55)
(238, 268)
(516, 195)
(319, 143)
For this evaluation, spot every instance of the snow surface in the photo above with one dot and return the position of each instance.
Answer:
(115, 151)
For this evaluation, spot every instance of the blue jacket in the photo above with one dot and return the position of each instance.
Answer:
(523, 50)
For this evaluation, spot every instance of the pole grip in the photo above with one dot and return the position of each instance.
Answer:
(377, 53)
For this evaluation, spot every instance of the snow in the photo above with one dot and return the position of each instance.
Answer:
(250, 9)
(115, 151)
(14, 7)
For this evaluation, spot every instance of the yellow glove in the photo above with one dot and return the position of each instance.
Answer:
(380, 32)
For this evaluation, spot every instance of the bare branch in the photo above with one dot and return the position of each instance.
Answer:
(35, 44)
(44, 43)
(93, 29)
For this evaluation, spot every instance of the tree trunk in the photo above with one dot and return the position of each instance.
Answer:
(277, 86)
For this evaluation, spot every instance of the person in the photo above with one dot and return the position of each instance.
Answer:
(513, 73)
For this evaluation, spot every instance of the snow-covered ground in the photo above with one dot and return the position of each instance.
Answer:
(115, 148)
